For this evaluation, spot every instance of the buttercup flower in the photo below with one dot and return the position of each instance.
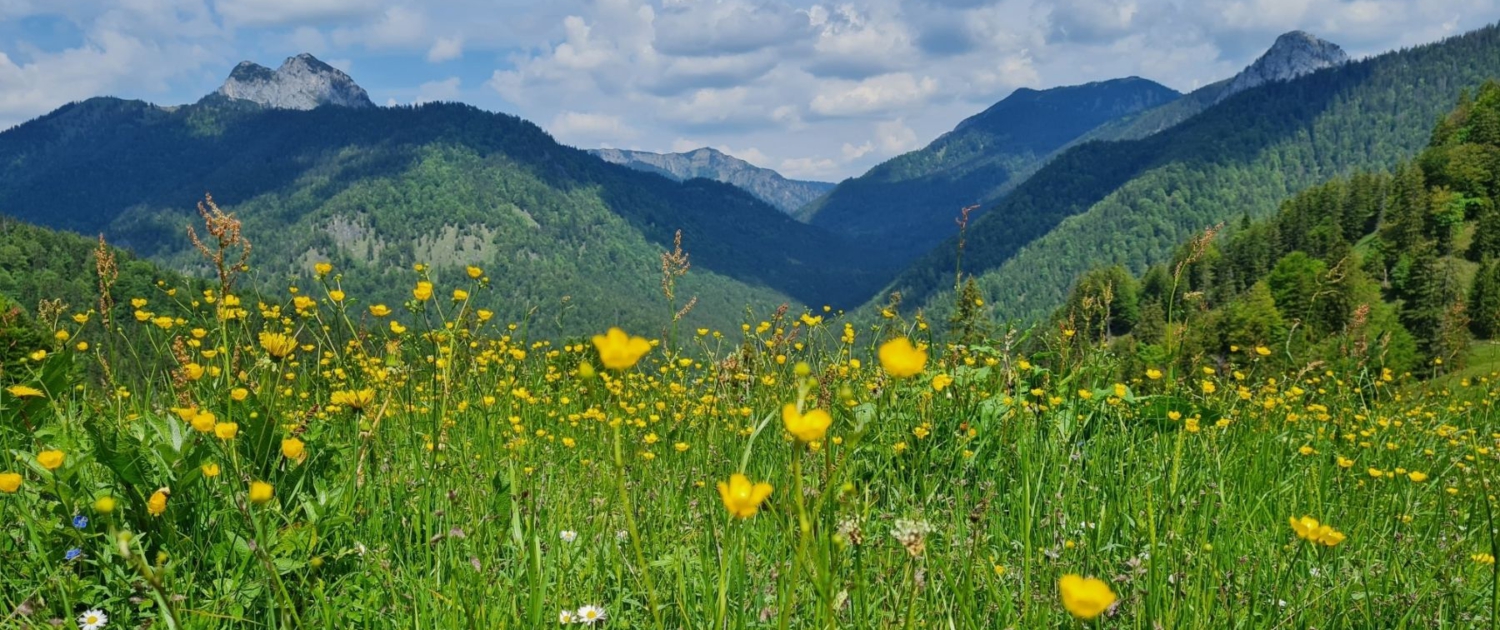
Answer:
(741, 497)
(806, 427)
(1085, 598)
(901, 359)
(620, 351)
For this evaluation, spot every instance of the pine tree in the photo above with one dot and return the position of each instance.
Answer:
(1484, 302)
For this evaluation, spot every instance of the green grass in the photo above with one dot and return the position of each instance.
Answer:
(442, 502)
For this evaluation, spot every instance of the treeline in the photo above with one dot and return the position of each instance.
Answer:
(1391, 270)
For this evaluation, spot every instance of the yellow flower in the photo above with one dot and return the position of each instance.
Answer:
(277, 345)
(901, 359)
(380, 310)
(192, 371)
(484, 315)
(423, 291)
(203, 421)
(741, 497)
(210, 470)
(474, 272)
(260, 492)
(806, 427)
(293, 448)
(322, 268)
(336, 295)
(1085, 598)
(239, 394)
(354, 399)
(104, 504)
(226, 430)
(941, 381)
(397, 328)
(1418, 477)
(157, 504)
(460, 295)
(10, 482)
(51, 460)
(1262, 351)
(22, 391)
(1209, 387)
(620, 351)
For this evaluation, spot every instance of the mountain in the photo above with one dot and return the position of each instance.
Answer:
(375, 190)
(1292, 55)
(1375, 270)
(909, 203)
(302, 82)
(765, 184)
(1131, 202)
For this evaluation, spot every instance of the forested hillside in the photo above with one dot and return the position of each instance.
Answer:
(1386, 270)
(1130, 203)
(909, 203)
(377, 190)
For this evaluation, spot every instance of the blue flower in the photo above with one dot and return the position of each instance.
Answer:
(80, 521)
(73, 554)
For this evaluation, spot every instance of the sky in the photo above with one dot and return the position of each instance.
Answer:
(816, 90)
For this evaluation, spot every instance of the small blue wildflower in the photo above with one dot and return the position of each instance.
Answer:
(73, 554)
(80, 521)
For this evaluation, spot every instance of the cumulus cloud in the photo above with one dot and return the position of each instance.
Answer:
(590, 128)
(887, 92)
(444, 90)
(446, 49)
(280, 12)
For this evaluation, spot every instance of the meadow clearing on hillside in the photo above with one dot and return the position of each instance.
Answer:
(225, 459)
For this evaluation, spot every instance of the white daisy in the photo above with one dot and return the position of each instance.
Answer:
(92, 619)
(590, 615)
(568, 535)
(566, 617)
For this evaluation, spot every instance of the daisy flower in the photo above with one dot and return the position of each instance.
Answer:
(568, 535)
(92, 619)
(590, 615)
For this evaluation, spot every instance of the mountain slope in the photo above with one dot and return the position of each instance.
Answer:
(379, 189)
(909, 203)
(1292, 55)
(1130, 202)
(765, 184)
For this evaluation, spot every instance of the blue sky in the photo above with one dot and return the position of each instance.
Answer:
(819, 90)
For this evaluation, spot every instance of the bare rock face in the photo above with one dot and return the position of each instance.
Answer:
(1293, 55)
(302, 82)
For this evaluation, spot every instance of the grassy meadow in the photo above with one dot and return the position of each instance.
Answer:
(304, 458)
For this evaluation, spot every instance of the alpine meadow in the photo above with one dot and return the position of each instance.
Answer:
(1190, 319)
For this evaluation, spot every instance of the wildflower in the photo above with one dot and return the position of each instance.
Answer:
(23, 391)
(941, 382)
(380, 310)
(277, 345)
(1262, 351)
(292, 448)
(620, 351)
(260, 492)
(423, 291)
(397, 328)
(566, 617)
(1309, 529)
(51, 460)
(460, 295)
(358, 399)
(322, 268)
(912, 535)
(1416, 476)
(590, 615)
(210, 469)
(474, 272)
(73, 554)
(1483, 558)
(741, 497)
(806, 427)
(1085, 598)
(239, 394)
(92, 619)
(104, 504)
(203, 421)
(157, 504)
(336, 295)
(1209, 387)
(226, 430)
(192, 371)
(10, 482)
(901, 359)
(80, 521)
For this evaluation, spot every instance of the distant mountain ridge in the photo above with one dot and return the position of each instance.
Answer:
(1292, 55)
(302, 82)
(765, 184)
(909, 202)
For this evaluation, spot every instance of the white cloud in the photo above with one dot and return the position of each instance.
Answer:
(446, 49)
(808, 168)
(396, 27)
(590, 128)
(444, 90)
(887, 92)
(279, 12)
(895, 137)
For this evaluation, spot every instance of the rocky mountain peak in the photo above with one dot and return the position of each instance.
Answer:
(1292, 55)
(302, 82)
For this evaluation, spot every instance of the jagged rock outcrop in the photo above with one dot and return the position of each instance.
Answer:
(1293, 55)
(302, 82)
